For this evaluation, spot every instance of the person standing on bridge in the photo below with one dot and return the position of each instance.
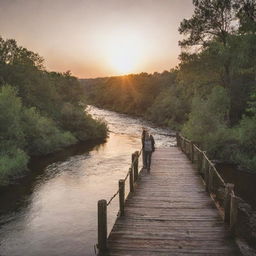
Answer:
(148, 147)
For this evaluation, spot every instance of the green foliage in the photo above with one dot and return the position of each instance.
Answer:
(246, 13)
(42, 135)
(212, 90)
(12, 54)
(24, 131)
(12, 163)
(245, 155)
(211, 19)
(252, 103)
(11, 132)
(207, 123)
(34, 117)
(207, 126)
(131, 94)
(82, 125)
(169, 109)
(225, 55)
(139, 94)
(12, 158)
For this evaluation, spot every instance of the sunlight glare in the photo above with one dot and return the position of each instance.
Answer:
(124, 53)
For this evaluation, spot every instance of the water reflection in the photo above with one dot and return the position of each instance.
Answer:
(57, 216)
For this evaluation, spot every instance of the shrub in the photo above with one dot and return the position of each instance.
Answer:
(12, 163)
(11, 132)
(168, 109)
(82, 125)
(42, 135)
(207, 124)
(246, 136)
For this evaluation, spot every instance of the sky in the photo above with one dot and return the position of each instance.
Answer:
(98, 38)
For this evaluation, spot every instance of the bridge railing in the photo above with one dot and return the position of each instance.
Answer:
(132, 175)
(221, 192)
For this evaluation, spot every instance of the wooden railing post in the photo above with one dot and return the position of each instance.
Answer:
(233, 213)
(227, 201)
(121, 196)
(102, 226)
(135, 160)
(131, 180)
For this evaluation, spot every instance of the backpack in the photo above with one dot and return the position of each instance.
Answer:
(148, 144)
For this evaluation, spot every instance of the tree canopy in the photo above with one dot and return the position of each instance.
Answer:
(40, 111)
(210, 96)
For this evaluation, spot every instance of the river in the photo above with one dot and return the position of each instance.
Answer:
(52, 210)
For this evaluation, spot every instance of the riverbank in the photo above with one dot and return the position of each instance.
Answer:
(40, 111)
(13, 166)
(56, 203)
(243, 180)
(22, 186)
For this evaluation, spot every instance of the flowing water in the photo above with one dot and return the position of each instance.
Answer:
(52, 210)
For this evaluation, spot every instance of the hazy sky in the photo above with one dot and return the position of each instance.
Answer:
(98, 37)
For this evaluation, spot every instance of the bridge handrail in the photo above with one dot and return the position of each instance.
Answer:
(133, 174)
(205, 156)
(223, 193)
(136, 158)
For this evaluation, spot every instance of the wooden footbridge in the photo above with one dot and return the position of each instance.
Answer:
(178, 208)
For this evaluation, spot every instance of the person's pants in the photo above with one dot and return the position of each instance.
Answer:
(148, 155)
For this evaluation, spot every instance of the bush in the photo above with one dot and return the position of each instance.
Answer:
(12, 163)
(168, 109)
(82, 125)
(207, 124)
(245, 155)
(11, 132)
(42, 135)
(31, 109)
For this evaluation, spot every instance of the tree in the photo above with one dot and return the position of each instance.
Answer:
(207, 124)
(34, 118)
(211, 19)
(246, 13)
(12, 156)
(12, 54)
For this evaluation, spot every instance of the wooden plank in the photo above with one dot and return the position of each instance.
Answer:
(170, 213)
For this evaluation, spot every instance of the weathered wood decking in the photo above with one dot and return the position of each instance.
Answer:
(170, 213)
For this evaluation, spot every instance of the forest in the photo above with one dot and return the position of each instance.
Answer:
(210, 97)
(40, 112)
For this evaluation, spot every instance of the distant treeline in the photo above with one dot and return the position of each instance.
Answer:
(211, 96)
(40, 112)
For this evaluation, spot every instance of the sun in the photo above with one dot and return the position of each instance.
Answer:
(123, 53)
(122, 62)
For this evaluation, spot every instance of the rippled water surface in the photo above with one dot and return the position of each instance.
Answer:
(53, 210)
